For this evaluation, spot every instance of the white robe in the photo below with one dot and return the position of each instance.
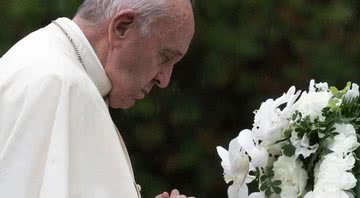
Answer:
(57, 139)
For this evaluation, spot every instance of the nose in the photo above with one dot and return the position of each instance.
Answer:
(163, 77)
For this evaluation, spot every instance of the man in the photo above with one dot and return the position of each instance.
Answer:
(57, 138)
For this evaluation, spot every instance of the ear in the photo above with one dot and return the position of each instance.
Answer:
(120, 24)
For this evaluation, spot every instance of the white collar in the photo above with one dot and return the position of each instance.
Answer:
(94, 68)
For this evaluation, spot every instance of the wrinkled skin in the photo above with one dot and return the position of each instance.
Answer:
(134, 63)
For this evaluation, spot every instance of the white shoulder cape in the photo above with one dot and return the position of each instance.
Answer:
(57, 139)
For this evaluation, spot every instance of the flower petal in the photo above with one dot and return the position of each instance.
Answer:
(258, 155)
(257, 195)
(238, 191)
(224, 155)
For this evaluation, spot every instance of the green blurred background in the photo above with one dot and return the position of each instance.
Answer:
(244, 51)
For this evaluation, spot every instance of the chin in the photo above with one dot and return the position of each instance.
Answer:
(121, 104)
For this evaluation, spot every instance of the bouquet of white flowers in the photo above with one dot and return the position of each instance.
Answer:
(302, 144)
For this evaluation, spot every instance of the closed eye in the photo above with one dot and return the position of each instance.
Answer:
(165, 58)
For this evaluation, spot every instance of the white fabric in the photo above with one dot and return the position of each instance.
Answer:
(57, 139)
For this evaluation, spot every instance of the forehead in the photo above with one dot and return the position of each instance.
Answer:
(176, 29)
(181, 16)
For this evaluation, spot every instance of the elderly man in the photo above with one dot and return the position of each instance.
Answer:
(57, 138)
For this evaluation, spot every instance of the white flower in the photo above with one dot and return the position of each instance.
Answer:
(237, 166)
(302, 145)
(331, 193)
(260, 148)
(339, 163)
(241, 191)
(340, 177)
(343, 144)
(319, 86)
(270, 120)
(257, 195)
(259, 155)
(237, 191)
(289, 191)
(293, 177)
(234, 162)
(311, 103)
(346, 129)
(352, 93)
(345, 141)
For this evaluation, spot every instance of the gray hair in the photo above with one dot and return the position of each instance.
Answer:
(148, 11)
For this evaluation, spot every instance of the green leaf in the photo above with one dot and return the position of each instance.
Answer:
(332, 103)
(263, 187)
(268, 192)
(263, 177)
(334, 90)
(347, 87)
(277, 182)
(277, 190)
(287, 133)
(289, 150)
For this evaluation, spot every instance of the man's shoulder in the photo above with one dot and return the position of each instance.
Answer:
(42, 57)
(38, 55)
(42, 47)
(47, 76)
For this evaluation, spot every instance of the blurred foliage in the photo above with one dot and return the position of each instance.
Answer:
(244, 51)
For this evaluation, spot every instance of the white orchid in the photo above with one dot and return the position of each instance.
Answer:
(237, 165)
(242, 191)
(234, 162)
(270, 119)
(236, 169)
(258, 155)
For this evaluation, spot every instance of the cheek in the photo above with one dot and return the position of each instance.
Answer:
(129, 72)
(125, 85)
(141, 72)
